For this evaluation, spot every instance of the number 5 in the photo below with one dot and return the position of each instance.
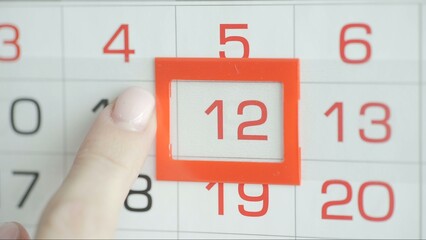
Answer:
(242, 40)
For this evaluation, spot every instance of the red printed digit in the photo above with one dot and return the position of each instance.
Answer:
(346, 200)
(339, 107)
(224, 39)
(361, 201)
(361, 208)
(383, 122)
(219, 196)
(219, 105)
(264, 198)
(126, 50)
(260, 121)
(344, 43)
(11, 42)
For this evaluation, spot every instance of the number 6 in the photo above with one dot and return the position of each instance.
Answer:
(344, 43)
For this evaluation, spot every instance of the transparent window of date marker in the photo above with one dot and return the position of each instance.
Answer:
(226, 121)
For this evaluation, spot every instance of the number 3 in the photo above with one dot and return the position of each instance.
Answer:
(12, 42)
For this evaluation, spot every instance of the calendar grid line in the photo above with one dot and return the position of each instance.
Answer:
(177, 149)
(304, 159)
(73, 153)
(421, 121)
(234, 233)
(146, 230)
(29, 79)
(68, 80)
(294, 56)
(64, 112)
(20, 153)
(71, 4)
(308, 159)
(360, 161)
(206, 232)
(362, 83)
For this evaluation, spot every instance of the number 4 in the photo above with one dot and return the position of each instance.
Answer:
(126, 50)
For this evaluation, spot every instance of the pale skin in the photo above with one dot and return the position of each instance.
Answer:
(88, 203)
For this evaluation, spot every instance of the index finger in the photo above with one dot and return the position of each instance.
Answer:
(88, 203)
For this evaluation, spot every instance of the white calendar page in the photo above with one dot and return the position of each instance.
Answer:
(362, 112)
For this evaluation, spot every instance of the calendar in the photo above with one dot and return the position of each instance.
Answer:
(355, 134)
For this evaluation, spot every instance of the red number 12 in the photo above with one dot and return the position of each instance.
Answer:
(218, 104)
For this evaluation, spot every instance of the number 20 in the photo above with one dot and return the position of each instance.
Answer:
(348, 198)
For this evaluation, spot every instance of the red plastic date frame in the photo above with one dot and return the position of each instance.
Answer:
(284, 71)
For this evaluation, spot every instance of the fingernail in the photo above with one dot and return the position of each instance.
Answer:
(133, 109)
(9, 231)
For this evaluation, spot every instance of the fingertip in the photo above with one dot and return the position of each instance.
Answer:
(133, 109)
(13, 230)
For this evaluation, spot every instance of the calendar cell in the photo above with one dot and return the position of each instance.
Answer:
(137, 234)
(151, 205)
(234, 31)
(220, 71)
(358, 43)
(226, 208)
(200, 131)
(26, 184)
(31, 117)
(361, 200)
(30, 49)
(120, 43)
(92, 97)
(360, 122)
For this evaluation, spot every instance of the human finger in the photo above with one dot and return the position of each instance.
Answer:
(88, 203)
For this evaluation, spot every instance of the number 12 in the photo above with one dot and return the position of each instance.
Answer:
(241, 136)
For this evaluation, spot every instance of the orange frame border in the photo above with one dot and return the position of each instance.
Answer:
(285, 71)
